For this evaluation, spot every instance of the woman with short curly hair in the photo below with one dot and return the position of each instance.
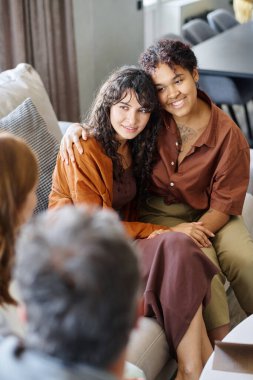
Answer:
(209, 176)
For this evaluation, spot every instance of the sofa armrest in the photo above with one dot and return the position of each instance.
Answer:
(148, 349)
(24, 82)
(247, 212)
(250, 187)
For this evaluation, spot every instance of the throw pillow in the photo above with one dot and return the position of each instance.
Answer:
(26, 122)
(24, 82)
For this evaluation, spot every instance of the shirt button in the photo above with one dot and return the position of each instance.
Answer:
(171, 184)
(177, 143)
(172, 163)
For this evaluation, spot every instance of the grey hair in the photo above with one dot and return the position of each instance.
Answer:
(79, 279)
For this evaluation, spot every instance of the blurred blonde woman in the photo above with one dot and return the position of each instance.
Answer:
(243, 10)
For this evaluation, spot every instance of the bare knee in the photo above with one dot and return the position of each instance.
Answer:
(189, 371)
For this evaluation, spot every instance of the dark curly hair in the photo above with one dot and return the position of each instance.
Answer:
(170, 52)
(143, 147)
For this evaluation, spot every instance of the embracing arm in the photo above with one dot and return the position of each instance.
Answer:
(72, 136)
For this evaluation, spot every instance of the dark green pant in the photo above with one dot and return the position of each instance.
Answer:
(232, 252)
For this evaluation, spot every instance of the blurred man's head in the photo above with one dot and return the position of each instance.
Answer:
(79, 280)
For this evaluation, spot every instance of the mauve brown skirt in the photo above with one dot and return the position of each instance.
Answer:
(177, 278)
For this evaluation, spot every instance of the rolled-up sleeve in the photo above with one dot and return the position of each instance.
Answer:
(230, 183)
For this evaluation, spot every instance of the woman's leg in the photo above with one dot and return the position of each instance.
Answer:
(207, 348)
(193, 350)
(216, 314)
(234, 247)
(177, 276)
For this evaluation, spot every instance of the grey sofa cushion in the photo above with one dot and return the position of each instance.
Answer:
(26, 122)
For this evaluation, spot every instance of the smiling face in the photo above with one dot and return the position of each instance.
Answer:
(176, 89)
(128, 117)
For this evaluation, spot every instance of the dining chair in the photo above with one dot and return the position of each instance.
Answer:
(221, 20)
(229, 91)
(196, 31)
(222, 90)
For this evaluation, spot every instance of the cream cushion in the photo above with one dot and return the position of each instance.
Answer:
(247, 212)
(148, 349)
(250, 188)
(24, 82)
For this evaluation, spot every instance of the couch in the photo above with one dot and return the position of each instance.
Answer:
(147, 348)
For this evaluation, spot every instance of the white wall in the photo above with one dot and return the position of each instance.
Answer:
(226, 4)
(109, 34)
(165, 17)
(84, 46)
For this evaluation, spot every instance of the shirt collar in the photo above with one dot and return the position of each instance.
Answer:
(209, 136)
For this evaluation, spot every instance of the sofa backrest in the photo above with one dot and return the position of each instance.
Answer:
(24, 82)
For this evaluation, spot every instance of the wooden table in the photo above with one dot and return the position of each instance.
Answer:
(228, 54)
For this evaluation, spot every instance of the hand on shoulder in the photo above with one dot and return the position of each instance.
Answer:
(73, 134)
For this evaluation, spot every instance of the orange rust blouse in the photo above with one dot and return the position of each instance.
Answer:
(214, 174)
(90, 181)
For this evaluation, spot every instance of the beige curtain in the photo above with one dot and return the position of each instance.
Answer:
(41, 32)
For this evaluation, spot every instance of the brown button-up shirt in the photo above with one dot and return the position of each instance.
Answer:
(214, 174)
